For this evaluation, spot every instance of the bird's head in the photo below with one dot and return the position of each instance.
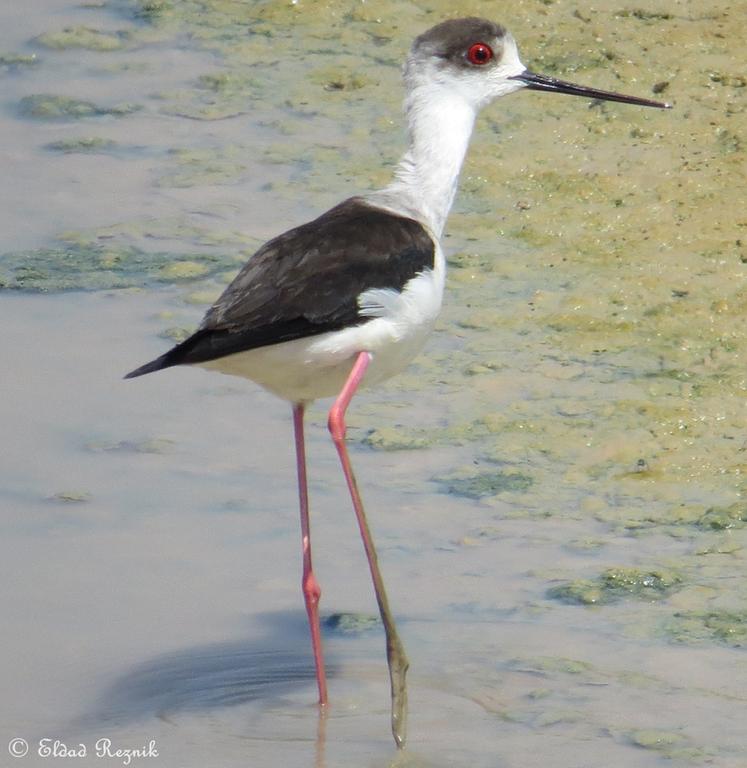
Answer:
(478, 61)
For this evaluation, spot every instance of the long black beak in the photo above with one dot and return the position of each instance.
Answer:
(537, 82)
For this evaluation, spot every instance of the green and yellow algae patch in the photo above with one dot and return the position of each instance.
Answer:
(721, 626)
(13, 62)
(176, 334)
(150, 445)
(585, 546)
(544, 691)
(49, 106)
(87, 145)
(679, 518)
(661, 741)
(182, 270)
(99, 267)
(204, 297)
(84, 37)
(71, 497)
(546, 665)
(229, 247)
(395, 438)
(723, 518)
(196, 167)
(351, 623)
(152, 11)
(341, 77)
(215, 96)
(671, 745)
(485, 484)
(618, 583)
(122, 256)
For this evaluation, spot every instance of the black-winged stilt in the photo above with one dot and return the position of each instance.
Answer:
(349, 298)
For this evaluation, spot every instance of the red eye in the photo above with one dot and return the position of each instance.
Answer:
(479, 54)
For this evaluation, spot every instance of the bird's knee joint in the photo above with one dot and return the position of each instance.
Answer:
(311, 589)
(336, 425)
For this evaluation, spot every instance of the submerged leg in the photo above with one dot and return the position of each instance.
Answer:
(310, 586)
(395, 652)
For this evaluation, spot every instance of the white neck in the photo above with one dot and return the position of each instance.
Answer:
(440, 125)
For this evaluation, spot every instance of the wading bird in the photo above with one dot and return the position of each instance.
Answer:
(349, 298)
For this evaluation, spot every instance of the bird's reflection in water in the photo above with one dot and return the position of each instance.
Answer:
(220, 675)
(217, 675)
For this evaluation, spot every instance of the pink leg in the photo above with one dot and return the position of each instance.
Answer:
(310, 586)
(395, 651)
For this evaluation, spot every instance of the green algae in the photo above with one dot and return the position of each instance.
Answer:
(539, 693)
(216, 96)
(176, 334)
(680, 519)
(48, 106)
(98, 267)
(568, 682)
(83, 145)
(170, 231)
(336, 78)
(83, 37)
(194, 167)
(13, 62)
(123, 256)
(546, 665)
(562, 716)
(565, 62)
(45, 106)
(618, 583)
(485, 484)
(727, 627)
(204, 297)
(351, 623)
(228, 82)
(661, 741)
(152, 11)
(671, 745)
(723, 518)
(182, 270)
(71, 497)
(477, 369)
(644, 15)
(394, 438)
(586, 545)
(151, 445)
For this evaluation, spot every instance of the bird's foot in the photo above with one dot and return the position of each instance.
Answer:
(398, 665)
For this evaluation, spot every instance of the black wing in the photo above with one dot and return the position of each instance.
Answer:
(307, 281)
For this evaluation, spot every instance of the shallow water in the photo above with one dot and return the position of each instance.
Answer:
(152, 552)
(562, 526)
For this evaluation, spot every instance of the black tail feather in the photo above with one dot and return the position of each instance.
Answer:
(188, 351)
(153, 365)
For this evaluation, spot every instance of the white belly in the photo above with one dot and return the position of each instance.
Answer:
(317, 366)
